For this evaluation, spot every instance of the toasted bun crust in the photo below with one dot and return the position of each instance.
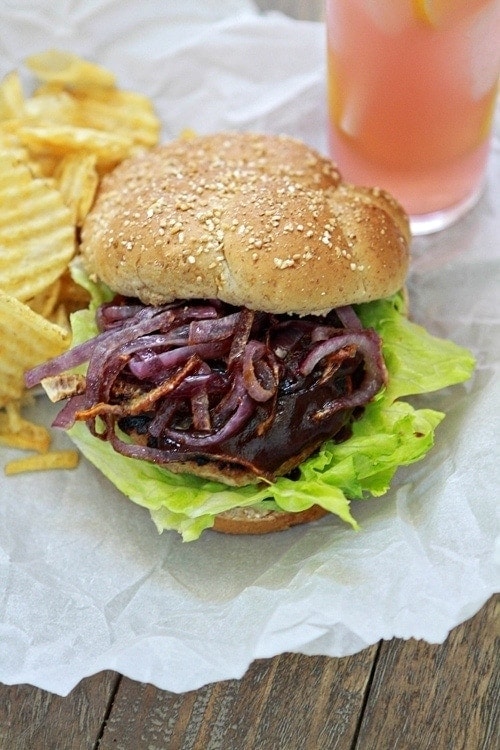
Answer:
(252, 521)
(254, 220)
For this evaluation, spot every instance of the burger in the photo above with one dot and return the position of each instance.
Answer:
(242, 361)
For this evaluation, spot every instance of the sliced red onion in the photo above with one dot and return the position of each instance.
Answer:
(228, 404)
(348, 317)
(67, 416)
(241, 335)
(164, 415)
(234, 424)
(163, 456)
(212, 382)
(285, 335)
(110, 315)
(363, 342)
(202, 331)
(176, 357)
(197, 373)
(367, 344)
(257, 351)
(322, 333)
(66, 361)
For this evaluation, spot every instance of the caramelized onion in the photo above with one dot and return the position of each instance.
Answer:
(264, 387)
(190, 376)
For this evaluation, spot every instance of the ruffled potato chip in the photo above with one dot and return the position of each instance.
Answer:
(77, 180)
(123, 112)
(11, 97)
(37, 235)
(59, 140)
(70, 70)
(22, 434)
(26, 340)
(51, 107)
(55, 144)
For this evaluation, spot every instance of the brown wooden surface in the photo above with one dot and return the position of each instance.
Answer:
(396, 695)
(407, 695)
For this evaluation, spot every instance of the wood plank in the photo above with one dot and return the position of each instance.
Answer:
(438, 697)
(32, 719)
(291, 701)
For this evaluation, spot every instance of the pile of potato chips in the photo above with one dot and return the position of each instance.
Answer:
(55, 145)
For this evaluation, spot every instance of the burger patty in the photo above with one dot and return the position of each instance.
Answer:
(292, 434)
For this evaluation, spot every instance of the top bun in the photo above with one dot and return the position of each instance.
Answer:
(260, 221)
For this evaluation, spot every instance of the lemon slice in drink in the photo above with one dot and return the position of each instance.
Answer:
(434, 12)
(429, 12)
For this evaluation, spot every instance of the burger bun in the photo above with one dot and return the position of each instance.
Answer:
(260, 221)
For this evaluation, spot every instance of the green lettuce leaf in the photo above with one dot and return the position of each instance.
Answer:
(391, 433)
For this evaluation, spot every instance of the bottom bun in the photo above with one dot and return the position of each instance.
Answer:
(252, 521)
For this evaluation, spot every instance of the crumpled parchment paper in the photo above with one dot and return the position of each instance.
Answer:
(86, 582)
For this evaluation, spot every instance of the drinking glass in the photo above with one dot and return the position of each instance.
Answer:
(412, 86)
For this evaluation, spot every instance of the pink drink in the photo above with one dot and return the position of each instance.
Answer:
(412, 88)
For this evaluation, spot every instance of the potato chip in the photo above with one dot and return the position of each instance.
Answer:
(46, 302)
(11, 145)
(11, 97)
(37, 237)
(66, 68)
(63, 297)
(24, 436)
(77, 180)
(123, 112)
(51, 107)
(10, 417)
(26, 339)
(55, 144)
(59, 140)
(64, 459)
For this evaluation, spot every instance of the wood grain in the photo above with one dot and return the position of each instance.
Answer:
(291, 701)
(32, 719)
(438, 697)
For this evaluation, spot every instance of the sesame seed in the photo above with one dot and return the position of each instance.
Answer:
(282, 263)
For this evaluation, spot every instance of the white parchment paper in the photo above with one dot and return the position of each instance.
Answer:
(86, 582)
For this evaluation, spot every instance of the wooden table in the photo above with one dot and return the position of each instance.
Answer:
(404, 695)
(407, 695)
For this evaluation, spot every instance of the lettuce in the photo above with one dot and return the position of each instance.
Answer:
(391, 433)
